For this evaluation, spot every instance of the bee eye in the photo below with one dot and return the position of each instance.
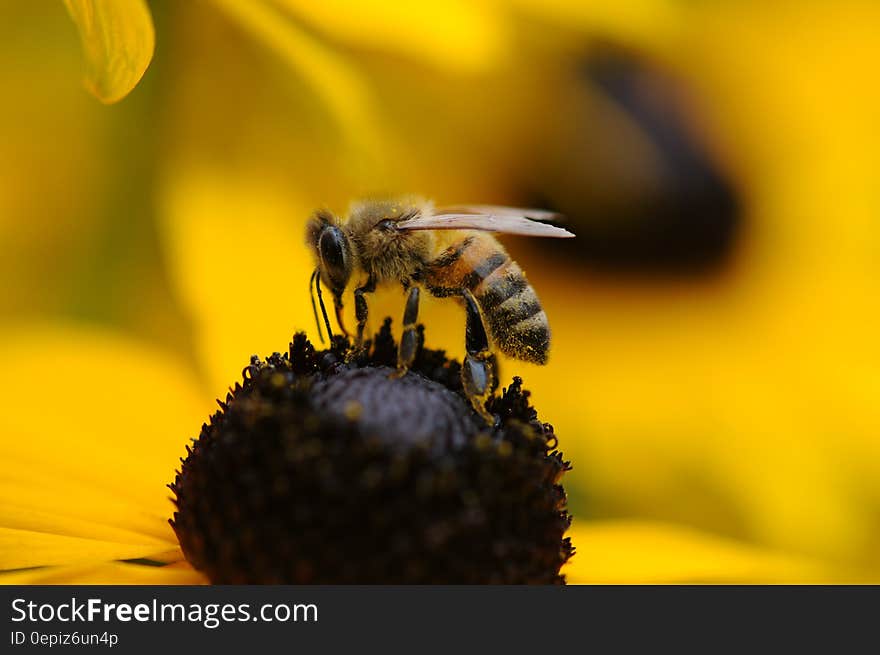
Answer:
(333, 248)
(386, 225)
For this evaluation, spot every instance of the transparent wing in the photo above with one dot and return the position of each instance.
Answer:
(508, 221)
(500, 210)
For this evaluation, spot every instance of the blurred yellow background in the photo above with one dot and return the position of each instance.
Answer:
(715, 369)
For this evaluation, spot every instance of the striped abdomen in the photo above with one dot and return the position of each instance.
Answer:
(511, 310)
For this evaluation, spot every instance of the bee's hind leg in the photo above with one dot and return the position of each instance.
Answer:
(478, 371)
(409, 341)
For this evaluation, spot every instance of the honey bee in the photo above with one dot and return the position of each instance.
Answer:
(450, 252)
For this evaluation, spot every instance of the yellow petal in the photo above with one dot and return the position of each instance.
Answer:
(333, 79)
(634, 552)
(99, 423)
(747, 401)
(118, 40)
(39, 492)
(639, 23)
(236, 252)
(458, 36)
(25, 548)
(110, 573)
(28, 518)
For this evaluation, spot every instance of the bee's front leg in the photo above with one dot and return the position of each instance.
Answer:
(478, 371)
(409, 342)
(361, 311)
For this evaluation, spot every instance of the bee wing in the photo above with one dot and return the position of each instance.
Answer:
(501, 210)
(509, 221)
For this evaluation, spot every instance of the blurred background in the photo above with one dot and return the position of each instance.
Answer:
(715, 362)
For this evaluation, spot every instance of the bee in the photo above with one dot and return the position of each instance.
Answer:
(450, 252)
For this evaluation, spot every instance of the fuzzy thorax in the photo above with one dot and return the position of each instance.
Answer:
(386, 253)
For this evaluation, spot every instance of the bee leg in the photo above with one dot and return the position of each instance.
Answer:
(360, 309)
(409, 342)
(478, 371)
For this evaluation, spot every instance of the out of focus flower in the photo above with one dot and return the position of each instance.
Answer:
(745, 401)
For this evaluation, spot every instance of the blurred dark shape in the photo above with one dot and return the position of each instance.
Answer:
(634, 176)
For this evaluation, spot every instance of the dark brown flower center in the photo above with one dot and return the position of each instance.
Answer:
(322, 468)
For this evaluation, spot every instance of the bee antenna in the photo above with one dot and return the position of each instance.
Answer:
(314, 306)
(321, 302)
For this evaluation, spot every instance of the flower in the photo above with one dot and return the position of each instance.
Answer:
(739, 404)
(82, 497)
(102, 418)
(322, 467)
(755, 386)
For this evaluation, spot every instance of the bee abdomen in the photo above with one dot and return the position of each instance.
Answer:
(512, 310)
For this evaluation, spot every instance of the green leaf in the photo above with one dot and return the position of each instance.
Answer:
(118, 40)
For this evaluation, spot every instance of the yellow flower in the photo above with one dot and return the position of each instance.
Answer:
(98, 421)
(741, 405)
(746, 402)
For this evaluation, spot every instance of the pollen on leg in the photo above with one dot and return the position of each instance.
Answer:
(320, 468)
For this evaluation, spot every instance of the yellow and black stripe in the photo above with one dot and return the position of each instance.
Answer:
(509, 305)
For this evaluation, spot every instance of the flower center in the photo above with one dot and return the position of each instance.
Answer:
(322, 468)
